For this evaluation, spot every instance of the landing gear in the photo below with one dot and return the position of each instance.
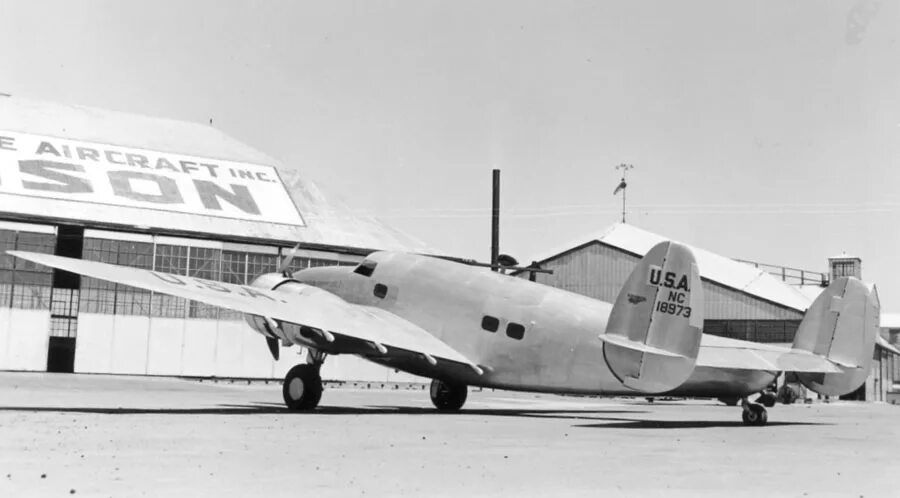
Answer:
(302, 387)
(767, 399)
(754, 414)
(447, 396)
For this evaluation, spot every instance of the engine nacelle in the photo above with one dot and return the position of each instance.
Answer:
(289, 333)
(269, 281)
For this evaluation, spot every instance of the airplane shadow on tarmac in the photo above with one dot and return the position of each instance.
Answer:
(624, 423)
(602, 417)
(277, 408)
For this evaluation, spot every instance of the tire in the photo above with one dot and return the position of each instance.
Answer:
(448, 397)
(755, 415)
(302, 388)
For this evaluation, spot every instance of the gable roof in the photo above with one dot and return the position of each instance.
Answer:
(713, 267)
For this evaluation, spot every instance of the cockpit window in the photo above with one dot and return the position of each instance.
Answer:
(365, 268)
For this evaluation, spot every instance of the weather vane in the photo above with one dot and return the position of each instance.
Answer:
(622, 185)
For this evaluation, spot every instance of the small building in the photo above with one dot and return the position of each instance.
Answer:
(743, 300)
(887, 376)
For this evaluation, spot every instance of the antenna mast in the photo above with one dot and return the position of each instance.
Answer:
(623, 186)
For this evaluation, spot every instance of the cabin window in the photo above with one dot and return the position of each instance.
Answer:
(365, 268)
(515, 330)
(380, 291)
(490, 323)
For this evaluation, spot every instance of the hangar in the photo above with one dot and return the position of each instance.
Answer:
(743, 300)
(159, 194)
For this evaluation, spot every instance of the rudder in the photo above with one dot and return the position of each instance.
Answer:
(841, 326)
(653, 334)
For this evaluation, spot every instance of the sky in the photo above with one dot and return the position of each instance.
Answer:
(767, 131)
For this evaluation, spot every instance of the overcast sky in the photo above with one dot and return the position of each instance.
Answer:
(759, 130)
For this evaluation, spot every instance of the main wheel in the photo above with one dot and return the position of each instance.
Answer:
(755, 415)
(448, 396)
(302, 388)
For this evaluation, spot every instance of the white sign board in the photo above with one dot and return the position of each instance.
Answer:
(99, 174)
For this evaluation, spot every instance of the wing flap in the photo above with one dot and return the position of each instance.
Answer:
(306, 305)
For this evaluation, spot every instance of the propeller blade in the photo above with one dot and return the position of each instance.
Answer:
(286, 261)
(273, 347)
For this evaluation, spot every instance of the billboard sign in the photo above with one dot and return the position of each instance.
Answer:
(38, 166)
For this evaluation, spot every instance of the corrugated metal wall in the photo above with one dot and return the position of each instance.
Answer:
(599, 271)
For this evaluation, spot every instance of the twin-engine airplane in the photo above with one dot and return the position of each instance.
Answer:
(466, 326)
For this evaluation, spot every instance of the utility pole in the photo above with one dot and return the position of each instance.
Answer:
(495, 221)
(623, 186)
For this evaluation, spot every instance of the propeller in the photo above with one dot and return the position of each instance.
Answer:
(273, 347)
(286, 261)
(271, 324)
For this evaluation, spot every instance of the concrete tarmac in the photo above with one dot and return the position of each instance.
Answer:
(92, 435)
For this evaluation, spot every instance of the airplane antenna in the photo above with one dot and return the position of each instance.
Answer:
(623, 185)
(495, 220)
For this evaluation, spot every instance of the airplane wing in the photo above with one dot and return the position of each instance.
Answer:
(722, 352)
(309, 306)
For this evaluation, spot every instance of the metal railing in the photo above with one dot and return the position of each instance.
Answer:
(795, 276)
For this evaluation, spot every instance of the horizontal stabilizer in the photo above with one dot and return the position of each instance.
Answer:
(637, 346)
(723, 352)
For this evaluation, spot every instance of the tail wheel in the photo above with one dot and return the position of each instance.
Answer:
(755, 415)
(448, 396)
(302, 388)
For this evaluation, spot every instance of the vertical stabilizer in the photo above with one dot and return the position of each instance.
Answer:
(841, 326)
(653, 334)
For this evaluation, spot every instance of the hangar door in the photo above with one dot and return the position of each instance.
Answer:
(24, 297)
(64, 303)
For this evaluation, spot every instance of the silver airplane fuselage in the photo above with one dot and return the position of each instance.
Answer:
(529, 336)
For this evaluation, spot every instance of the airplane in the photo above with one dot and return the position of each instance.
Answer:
(463, 326)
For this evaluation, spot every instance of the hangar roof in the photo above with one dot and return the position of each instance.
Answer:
(713, 267)
(285, 206)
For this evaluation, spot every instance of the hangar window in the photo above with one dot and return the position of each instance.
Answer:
(203, 263)
(7, 242)
(366, 268)
(515, 330)
(314, 262)
(490, 323)
(131, 300)
(380, 291)
(170, 259)
(257, 264)
(781, 331)
(31, 283)
(100, 296)
(234, 267)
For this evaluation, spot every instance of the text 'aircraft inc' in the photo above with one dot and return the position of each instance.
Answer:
(463, 326)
